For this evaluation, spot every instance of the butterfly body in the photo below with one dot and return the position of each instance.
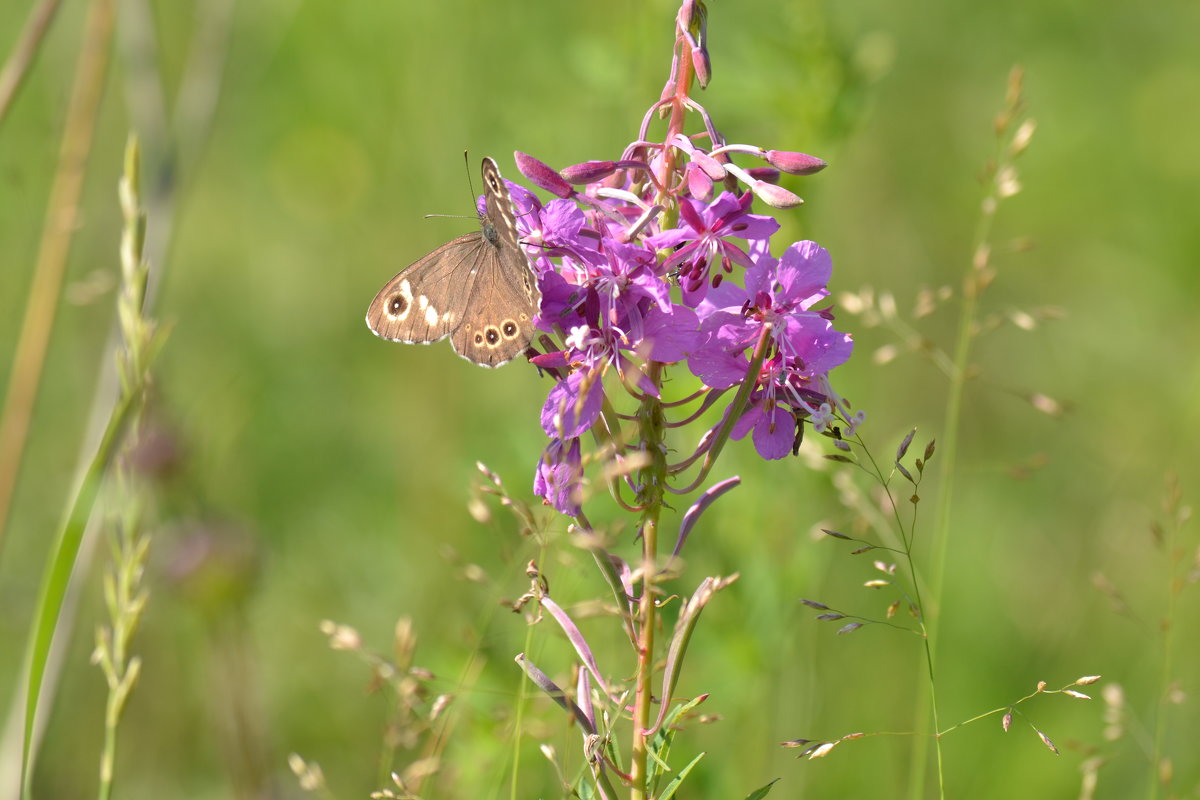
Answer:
(479, 289)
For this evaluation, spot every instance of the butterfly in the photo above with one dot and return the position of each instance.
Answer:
(479, 289)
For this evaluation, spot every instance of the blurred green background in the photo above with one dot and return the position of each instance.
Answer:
(342, 466)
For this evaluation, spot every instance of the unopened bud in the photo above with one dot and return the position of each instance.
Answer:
(542, 175)
(768, 174)
(775, 196)
(795, 163)
(588, 172)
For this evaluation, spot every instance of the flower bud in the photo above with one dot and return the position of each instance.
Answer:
(542, 175)
(795, 163)
(775, 196)
(768, 174)
(588, 172)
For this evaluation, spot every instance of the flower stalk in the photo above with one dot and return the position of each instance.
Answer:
(655, 274)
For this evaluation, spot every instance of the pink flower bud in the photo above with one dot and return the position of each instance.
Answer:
(795, 163)
(588, 172)
(768, 174)
(542, 175)
(775, 196)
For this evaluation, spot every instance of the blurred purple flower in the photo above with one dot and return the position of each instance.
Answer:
(559, 477)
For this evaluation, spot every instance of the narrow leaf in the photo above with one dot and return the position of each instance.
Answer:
(706, 499)
(543, 682)
(762, 791)
(689, 615)
(582, 648)
(57, 575)
(669, 792)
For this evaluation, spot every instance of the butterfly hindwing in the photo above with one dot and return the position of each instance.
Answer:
(498, 324)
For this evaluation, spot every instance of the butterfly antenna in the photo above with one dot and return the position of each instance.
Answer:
(470, 181)
(466, 155)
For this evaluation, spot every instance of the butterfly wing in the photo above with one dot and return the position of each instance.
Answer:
(504, 297)
(426, 301)
(497, 324)
(479, 289)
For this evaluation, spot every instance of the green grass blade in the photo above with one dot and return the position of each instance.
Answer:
(57, 576)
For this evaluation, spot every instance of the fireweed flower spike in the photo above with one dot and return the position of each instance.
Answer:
(653, 267)
(696, 286)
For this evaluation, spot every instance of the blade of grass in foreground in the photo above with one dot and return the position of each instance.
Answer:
(140, 345)
(58, 573)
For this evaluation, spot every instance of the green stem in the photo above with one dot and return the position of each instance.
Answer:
(1168, 662)
(652, 430)
(973, 284)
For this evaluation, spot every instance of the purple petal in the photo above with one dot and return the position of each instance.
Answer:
(670, 238)
(752, 226)
(803, 273)
(812, 339)
(560, 301)
(562, 221)
(775, 433)
(573, 405)
(728, 296)
(672, 336)
(718, 368)
(736, 254)
(559, 477)
(747, 421)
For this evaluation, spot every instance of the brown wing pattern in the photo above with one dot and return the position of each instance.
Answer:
(479, 289)
(426, 301)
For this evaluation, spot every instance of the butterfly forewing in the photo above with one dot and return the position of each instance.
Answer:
(479, 288)
(426, 301)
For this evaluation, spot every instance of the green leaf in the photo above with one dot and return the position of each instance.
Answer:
(762, 791)
(58, 573)
(669, 792)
